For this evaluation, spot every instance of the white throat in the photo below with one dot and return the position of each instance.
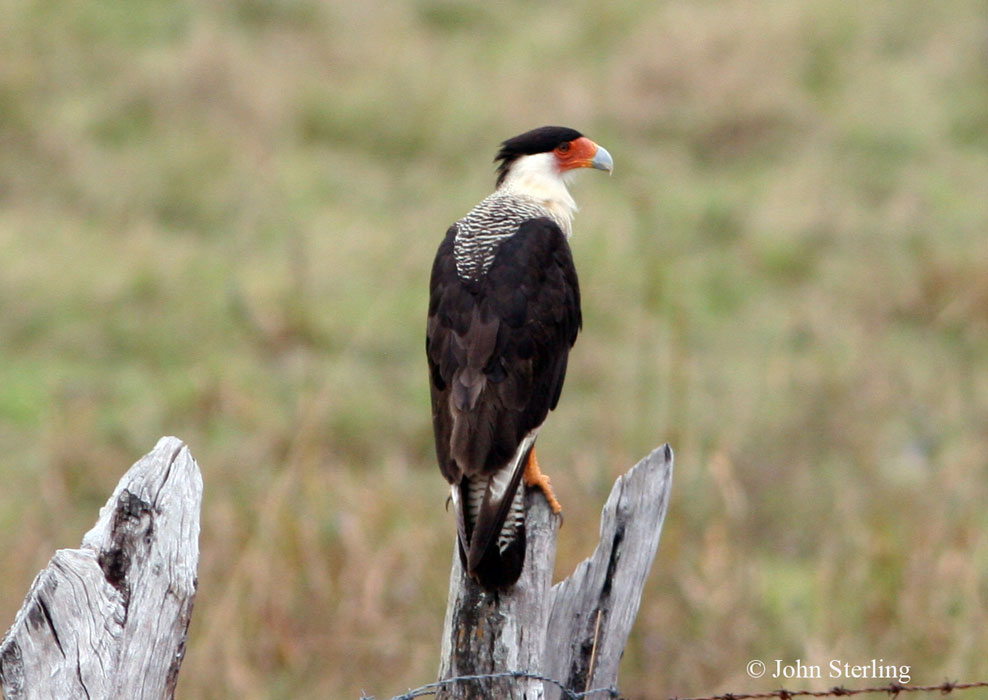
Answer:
(538, 178)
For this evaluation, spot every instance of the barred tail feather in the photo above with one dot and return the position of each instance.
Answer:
(491, 515)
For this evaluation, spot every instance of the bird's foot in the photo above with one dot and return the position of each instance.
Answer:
(533, 476)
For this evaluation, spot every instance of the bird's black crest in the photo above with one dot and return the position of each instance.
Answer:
(541, 140)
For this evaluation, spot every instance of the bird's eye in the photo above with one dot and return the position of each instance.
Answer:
(563, 147)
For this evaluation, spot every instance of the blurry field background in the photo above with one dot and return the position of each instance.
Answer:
(217, 220)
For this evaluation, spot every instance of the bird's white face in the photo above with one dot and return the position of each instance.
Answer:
(543, 176)
(539, 178)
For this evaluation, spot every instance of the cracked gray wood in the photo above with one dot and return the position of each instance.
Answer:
(109, 620)
(574, 632)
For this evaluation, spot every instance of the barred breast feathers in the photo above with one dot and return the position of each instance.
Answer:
(495, 218)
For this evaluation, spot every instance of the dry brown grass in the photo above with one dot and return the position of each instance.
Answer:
(217, 220)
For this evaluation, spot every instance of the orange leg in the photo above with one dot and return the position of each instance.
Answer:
(533, 476)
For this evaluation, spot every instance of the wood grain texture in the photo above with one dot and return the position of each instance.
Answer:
(109, 620)
(593, 611)
(576, 631)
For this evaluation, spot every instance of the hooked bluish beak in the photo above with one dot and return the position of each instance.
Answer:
(602, 160)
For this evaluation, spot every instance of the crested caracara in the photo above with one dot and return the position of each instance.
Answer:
(504, 311)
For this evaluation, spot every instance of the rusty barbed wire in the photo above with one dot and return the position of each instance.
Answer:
(568, 693)
(892, 689)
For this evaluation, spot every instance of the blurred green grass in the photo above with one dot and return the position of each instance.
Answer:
(217, 221)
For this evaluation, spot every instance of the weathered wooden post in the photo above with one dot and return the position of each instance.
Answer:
(109, 620)
(574, 632)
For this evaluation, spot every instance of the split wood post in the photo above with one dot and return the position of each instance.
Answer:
(574, 632)
(109, 620)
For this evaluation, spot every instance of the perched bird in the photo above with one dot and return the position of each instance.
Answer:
(504, 311)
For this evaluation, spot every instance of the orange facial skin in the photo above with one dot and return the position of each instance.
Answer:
(578, 153)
